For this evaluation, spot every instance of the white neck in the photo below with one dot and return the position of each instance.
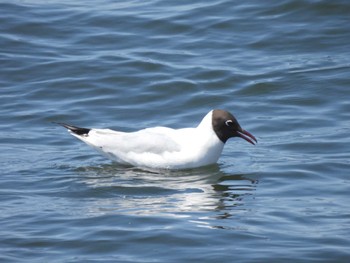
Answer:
(206, 121)
(210, 139)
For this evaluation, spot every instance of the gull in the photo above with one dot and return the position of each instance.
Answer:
(166, 148)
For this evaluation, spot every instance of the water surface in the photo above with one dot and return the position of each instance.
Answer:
(282, 67)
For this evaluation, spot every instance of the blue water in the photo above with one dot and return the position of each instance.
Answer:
(283, 69)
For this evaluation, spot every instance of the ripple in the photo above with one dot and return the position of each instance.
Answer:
(281, 68)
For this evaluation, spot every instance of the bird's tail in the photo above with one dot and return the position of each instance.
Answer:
(74, 129)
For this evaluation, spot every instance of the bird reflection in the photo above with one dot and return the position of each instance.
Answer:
(206, 196)
(234, 191)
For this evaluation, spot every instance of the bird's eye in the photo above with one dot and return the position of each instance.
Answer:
(228, 123)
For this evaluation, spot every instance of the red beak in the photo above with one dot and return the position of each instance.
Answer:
(247, 136)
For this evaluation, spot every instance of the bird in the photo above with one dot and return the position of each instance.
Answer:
(166, 148)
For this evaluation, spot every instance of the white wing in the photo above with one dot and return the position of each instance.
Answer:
(153, 140)
(134, 147)
(158, 147)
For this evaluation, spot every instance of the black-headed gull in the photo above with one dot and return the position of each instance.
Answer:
(168, 148)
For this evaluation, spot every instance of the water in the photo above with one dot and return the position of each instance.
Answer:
(282, 67)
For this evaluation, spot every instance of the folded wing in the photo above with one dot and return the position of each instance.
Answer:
(141, 146)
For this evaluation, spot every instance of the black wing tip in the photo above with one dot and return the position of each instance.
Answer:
(74, 129)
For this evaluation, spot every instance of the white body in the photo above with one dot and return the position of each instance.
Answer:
(159, 147)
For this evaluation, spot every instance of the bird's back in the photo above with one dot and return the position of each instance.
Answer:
(156, 147)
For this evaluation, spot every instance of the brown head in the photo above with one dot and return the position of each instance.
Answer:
(226, 126)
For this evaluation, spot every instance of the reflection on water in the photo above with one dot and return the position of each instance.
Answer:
(188, 193)
(282, 68)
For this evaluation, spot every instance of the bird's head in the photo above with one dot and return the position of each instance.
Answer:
(226, 126)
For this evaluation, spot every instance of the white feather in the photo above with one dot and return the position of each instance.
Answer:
(159, 147)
